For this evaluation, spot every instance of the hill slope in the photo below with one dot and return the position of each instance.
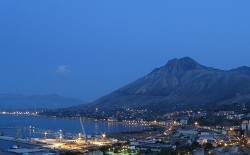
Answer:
(180, 83)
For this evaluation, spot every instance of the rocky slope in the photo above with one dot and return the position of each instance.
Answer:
(181, 83)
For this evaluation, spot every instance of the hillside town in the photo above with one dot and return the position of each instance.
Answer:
(190, 132)
(124, 77)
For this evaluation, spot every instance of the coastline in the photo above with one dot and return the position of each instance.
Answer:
(18, 140)
(96, 120)
(135, 126)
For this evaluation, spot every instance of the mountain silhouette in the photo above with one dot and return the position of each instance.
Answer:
(181, 83)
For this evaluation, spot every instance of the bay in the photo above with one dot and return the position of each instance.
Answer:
(66, 125)
(19, 126)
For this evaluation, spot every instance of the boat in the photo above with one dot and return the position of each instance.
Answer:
(15, 147)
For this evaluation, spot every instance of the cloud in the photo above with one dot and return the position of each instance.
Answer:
(63, 70)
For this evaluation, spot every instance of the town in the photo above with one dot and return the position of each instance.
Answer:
(193, 132)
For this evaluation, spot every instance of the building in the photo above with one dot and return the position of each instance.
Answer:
(226, 113)
(245, 125)
(199, 151)
(169, 121)
(188, 132)
(184, 121)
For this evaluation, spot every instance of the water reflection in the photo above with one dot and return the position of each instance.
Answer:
(42, 124)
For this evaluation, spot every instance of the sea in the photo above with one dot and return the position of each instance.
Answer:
(30, 126)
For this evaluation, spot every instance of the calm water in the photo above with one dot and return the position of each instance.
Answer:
(67, 125)
(70, 127)
(5, 145)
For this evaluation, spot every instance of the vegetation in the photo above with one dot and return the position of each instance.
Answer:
(211, 120)
(167, 151)
(71, 153)
(208, 146)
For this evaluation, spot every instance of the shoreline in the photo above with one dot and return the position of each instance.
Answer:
(85, 119)
(95, 120)
(19, 140)
(146, 126)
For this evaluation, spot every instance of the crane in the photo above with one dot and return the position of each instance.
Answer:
(83, 130)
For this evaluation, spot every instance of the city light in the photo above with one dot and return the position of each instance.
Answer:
(45, 134)
(196, 123)
(104, 135)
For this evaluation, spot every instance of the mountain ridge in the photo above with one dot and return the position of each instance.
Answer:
(181, 82)
(11, 101)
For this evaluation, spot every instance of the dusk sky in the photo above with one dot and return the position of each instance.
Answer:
(89, 48)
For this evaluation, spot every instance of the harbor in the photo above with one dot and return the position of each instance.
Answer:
(76, 136)
(52, 145)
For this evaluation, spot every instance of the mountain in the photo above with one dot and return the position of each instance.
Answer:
(21, 102)
(181, 83)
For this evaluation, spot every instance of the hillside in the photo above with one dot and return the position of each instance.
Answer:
(181, 83)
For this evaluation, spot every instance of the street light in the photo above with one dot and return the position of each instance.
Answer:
(30, 130)
(196, 123)
(104, 135)
(45, 134)
(79, 136)
(60, 135)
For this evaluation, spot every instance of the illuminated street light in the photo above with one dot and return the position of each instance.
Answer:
(60, 136)
(30, 131)
(79, 136)
(45, 134)
(104, 135)
(196, 123)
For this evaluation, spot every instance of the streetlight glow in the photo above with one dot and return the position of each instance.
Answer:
(104, 135)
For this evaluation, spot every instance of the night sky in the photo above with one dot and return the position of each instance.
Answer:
(89, 48)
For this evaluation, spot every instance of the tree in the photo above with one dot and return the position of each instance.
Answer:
(71, 153)
(208, 146)
(177, 143)
(166, 151)
(195, 145)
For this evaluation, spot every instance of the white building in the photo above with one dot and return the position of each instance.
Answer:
(245, 125)
(184, 121)
(199, 151)
(190, 132)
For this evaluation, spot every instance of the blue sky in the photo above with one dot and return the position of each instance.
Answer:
(88, 48)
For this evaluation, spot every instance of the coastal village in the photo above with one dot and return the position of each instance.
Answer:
(124, 77)
(181, 133)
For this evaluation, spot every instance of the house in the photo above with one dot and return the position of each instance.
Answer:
(188, 132)
(199, 151)
(245, 125)
(184, 121)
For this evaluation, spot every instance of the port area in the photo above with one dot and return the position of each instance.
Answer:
(53, 146)
(71, 144)
(19, 140)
